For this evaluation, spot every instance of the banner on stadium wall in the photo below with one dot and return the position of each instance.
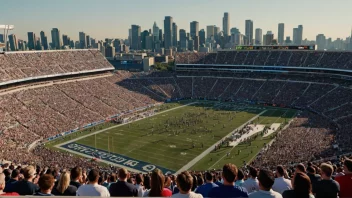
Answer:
(114, 158)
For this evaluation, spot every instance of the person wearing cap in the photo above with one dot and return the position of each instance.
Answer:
(26, 186)
(3, 186)
(93, 188)
(345, 181)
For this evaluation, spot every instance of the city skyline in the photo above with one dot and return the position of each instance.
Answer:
(89, 17)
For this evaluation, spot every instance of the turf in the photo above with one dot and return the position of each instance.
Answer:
(167, 141)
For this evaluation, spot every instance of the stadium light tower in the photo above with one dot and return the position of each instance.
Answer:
(6, 31)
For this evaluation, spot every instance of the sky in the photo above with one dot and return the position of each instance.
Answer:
(112, 18)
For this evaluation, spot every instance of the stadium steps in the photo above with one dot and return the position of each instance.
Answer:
(343, 117)
(193, 84)
(239, 88)
(318, 61)
(226, 89)
(331, 109)
(289, 59)
(323, 96)
(302, 94)
(212, 88)
(245, 58)
(305, 61)
(258, 89)
(283, 86)
(178, 88)
(268, 58)
(278, 58)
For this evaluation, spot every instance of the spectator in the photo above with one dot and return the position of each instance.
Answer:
(205, 188)
(302, 188)
(3, 186)
(76, 177)
(252, 183)
(7, 173)
(26, 186)
(314, 178)
(184, 182)
(122, 188)
(157, 185)
(326, 187)
(266, 181)
(12, 182)
(139, 185)
(92, 188)
(46, 183)
(228, 189)
(281, 183)
(345, 181)
(64, 188)
(300, 168)
(105, 182)
(239, 178)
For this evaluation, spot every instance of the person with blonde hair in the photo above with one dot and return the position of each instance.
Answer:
(63, 187)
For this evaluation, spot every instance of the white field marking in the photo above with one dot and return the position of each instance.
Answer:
(107, 129)
(172, 146)
(207, 151)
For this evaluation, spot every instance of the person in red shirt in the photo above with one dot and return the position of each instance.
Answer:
(2, 187)
(345, 181)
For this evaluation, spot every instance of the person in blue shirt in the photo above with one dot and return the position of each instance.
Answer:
(205, 188)
(228, 189)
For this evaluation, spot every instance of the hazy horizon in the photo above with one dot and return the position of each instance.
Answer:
(112, 18)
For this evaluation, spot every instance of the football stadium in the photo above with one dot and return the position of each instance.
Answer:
(257, 107)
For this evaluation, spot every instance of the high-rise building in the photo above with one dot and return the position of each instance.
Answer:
(234, 31)
(183, 39)
(298, 35)
(161, 36)
(194, 29)
(155, 31)
(31, 41)
(258, 36)
(65, 40)
(281, 33)
(38, 46)
(109, 51)
(88, 41)
(144, 35)
(288, 40)
(168, 32)
(226, 24)
(56, 39)
(268, 38)
(321, 42)
(44, 40)
(174, 34)
(13, 42)
(82, 40)
(210, 31)
(201, 37)
(136, 37)
(249, 32)
(1, 38)
(149, 42)
(216, 32)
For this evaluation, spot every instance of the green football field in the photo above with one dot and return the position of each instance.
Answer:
(178, 134)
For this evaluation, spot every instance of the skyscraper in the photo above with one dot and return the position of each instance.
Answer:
(44, 40)
(1, 38)
(65, 40)
(168, 32)
(321, 41)
(194, 29)
(226, 24)
(281, 33)
(210, 31)
(82, 40)
(201, 37)
(249, 32)
(31, 41)
(13, 42)
(136, 37)
(268, 38)
(174, 34)
(155, 31)
(183, 39)
(144, 35)
(56, 39)
(88, 41)
(258, 36)
(300, 34)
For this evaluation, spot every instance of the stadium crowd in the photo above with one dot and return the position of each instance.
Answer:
(329, 179)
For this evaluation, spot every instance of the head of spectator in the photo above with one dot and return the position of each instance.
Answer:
(7, 173)
(266, 179)
(229, 173)
(146, 181)
(46, 184)
(240, 175)
(200, 181)
(93, 176)
(326, 171)
(184, 182)
(253, 172)
(64, 182)
(15, 175)
(157, 183)
(301, 185)
(347, 166)
(194, 182)
(29, 173)
(113, 178)
(280, 171)
(209, 177)
(139, 179)
(76, 174)
(300, 168)
(2, 187)
(167, 182)
(123, 174)
(311, 170)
